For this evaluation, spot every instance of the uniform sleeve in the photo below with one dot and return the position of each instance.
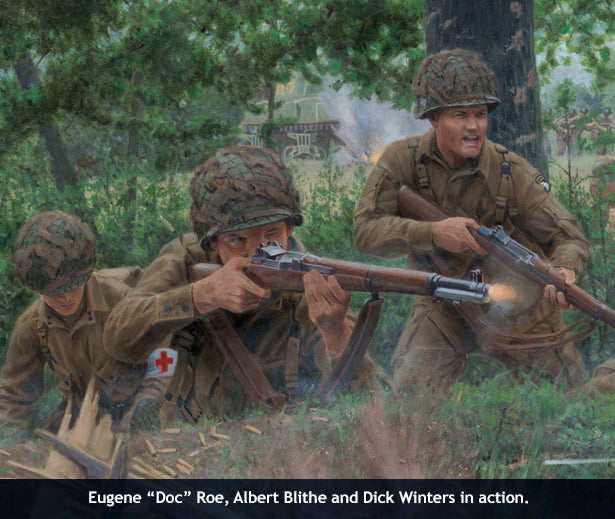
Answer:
(552, 225)
(378, 230)
(159, 305)
(22, 377)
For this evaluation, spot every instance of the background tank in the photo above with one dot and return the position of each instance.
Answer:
(313, 130)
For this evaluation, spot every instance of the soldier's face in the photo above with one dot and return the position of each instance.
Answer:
(460, 133)
(244, 243)
(66, 304)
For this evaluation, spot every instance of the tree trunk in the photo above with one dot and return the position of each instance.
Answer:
(502, 31)
(61, 166)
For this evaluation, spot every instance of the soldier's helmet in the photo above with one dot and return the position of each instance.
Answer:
(453, 78)
(239, 188)
(54, 253)
(584, 110)
(572, 112)
(607, 111)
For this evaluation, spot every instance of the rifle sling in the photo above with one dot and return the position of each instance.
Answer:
(254, 381)
(242, 363)
(349, 361)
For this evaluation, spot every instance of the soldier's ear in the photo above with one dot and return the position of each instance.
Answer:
(290, 227)
(433, 117)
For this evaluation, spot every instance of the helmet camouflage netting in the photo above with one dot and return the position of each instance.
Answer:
(54, 253)
(239, 188)
(452, 78)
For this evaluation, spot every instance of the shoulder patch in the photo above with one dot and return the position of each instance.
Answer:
(542, 181)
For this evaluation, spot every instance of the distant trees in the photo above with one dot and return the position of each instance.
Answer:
(168, 80)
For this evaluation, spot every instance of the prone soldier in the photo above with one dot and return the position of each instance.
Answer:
(55, 256)
(479, 182)
(284, 344)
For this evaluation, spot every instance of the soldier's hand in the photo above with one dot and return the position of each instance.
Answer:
(328, 305)
(228, 288)
(555, 296)
(453, 235)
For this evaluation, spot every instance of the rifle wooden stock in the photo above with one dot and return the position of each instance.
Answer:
(510, 253)
(357, 277)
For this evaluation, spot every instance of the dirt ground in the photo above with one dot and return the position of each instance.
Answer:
(363, 441)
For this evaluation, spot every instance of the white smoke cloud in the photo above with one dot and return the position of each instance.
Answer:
(366, 127)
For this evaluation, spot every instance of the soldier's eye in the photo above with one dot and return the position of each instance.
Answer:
(272, 232)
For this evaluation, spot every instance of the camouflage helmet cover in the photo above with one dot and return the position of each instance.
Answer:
(239, 188)
(452, 78)
(54, 253)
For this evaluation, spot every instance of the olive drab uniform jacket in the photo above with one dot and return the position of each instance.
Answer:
(74, 352)
(279, 335)
(520, 201)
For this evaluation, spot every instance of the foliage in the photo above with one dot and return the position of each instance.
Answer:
(581, 27)
(503, 427)
(590, 205)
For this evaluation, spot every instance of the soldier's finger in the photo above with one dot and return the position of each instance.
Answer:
(257, 291)
(551, 294)
(473, 244)
(315, 284)
(340, 295)
(237, 263)
(563, 302)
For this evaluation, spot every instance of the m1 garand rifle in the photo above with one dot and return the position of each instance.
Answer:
(520, 260)
(276, 269)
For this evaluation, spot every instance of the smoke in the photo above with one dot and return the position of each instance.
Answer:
(366, 127)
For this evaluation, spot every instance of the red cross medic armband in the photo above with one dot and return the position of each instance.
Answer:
(161, 363)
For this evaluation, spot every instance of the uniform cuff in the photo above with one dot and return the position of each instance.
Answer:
(176, 304)
(568, 261)
(421, 237)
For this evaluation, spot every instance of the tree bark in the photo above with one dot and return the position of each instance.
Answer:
(502, 32)
(61, 166)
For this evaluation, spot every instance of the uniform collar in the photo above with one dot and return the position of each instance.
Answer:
(480, 166)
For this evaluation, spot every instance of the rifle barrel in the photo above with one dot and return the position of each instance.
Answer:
(358, 277)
